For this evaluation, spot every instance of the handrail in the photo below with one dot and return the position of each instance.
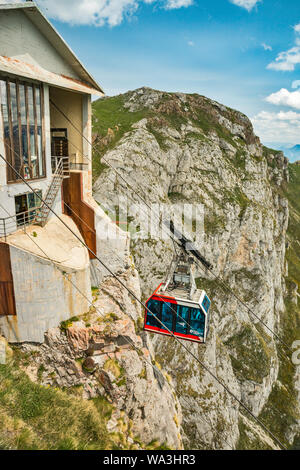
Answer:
(60, 161)
(17, 221)
(68, 164)
(12, 223)
(79, 166)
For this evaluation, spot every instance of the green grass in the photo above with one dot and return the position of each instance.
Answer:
(109, 113)
(36, 417)
(248, 439)
(67, 323)
(251, 358)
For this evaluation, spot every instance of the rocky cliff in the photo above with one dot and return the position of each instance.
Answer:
(177, 148)
(98, 364)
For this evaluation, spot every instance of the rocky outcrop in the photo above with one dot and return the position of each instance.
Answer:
(106, 354)
(188, 149)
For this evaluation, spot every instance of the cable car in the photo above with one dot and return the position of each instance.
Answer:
(177, 306)
(185, 319)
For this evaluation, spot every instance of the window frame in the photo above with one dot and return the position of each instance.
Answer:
(11, 177)
(150, 316)
(191, 321)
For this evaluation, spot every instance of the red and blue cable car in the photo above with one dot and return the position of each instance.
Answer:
(187, 319)
(177, 307)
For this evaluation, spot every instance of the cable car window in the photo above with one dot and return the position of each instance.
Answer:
(167, 315)
(207, 322)
(182, 320)
(197, 322)
(206, 303)
(153, 306)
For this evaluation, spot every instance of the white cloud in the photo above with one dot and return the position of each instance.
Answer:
(296, 84)
(284, 97)
(266, 47)
(286, 61)
(277, 127)
(98, 12)
(248, 4)
(89, 12)
(175, 4)
(191, 43)
(297, 28)
(281, 116)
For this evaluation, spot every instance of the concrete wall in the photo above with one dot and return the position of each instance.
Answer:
(113, 248)
(44, 297)
(87, 132)
(20, 39)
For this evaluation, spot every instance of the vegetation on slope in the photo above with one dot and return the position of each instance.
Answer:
(33, 417)
(111, 120)
(293, 252)
(281, 410)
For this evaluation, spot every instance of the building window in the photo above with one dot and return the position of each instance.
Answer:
(22, 113)
(26, 207)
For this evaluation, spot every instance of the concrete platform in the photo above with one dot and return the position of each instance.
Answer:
(54, 241)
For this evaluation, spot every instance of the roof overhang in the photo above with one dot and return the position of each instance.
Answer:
(45, 27)
(34, 72)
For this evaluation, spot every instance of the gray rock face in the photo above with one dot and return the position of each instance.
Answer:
(188, 149)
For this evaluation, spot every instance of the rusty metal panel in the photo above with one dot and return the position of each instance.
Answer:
(7, 293)
(82, 214)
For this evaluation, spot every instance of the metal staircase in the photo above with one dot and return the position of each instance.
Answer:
(61, 171)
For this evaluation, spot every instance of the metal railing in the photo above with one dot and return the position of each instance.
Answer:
(61, 162)
(10, 224)
(79, 166)
(61, 167)
(69, 163)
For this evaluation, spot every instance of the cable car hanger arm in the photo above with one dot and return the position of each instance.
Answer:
(184, 243)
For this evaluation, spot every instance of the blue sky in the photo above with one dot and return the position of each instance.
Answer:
(243, 53)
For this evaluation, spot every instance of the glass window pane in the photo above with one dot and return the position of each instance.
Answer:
(21, 110)
(182, 320)
(153, 306)
(37, 200)
(39, 129)
(4, 112)
(33, 149)
(24, 136)
(197, 322)
(30, 205)
(167, 315)
(206, 303)
(15, 128)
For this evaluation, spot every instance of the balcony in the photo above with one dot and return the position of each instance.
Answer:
(11, 224)
(69, 163)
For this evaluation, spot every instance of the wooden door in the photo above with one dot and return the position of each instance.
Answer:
(7, 293)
